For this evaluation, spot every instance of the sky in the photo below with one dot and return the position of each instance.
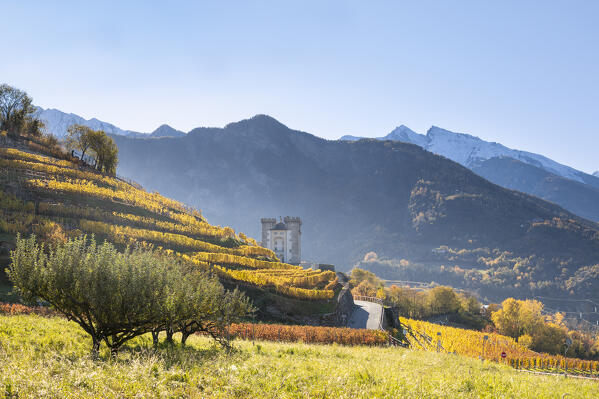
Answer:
(525, 74)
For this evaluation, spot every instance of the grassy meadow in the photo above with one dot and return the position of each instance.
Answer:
(49, 358)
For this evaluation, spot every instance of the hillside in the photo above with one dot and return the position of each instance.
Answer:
(393, 198)
(56, 198)
(49, 357)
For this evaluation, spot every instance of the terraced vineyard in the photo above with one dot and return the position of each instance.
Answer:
(56, 198)
(434, 337)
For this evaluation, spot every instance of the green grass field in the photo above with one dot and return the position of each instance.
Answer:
(49, 358)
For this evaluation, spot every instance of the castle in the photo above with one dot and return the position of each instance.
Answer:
(284, 238)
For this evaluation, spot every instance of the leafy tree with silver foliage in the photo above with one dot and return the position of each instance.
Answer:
(113, 296)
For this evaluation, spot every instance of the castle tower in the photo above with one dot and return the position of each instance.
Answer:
(267, 224)
(294, 239)
(284, 238)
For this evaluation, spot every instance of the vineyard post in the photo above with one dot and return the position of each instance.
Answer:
(485, 338)
(568, 343)
(228, 330)
(439, 341)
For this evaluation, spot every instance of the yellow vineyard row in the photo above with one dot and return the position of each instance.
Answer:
(230, 259)
(256, 278)
(199, 229)
(152, 202)
(13, 153)
(124, 234)
(283, 273)
(279, 285)
(52, 170)
(289, 272)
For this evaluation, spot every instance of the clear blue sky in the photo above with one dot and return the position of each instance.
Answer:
(522, 73)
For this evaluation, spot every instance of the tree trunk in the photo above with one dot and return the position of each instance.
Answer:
(95, 348)
(114, 352)
(184, 336)
(155, 338)
(169, 335)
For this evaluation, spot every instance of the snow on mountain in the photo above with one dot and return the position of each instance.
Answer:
(469, 150)
(596, 174)
(407, 135)
(57, 123)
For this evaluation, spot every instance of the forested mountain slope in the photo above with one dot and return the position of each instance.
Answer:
(579, 198)
(393, 198)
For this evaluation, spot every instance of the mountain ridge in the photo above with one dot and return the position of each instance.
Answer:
(57, 123)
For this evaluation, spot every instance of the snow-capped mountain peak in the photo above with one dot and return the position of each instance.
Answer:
(470, 150)
(405, 134)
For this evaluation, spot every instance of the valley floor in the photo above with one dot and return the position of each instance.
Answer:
(49, 357)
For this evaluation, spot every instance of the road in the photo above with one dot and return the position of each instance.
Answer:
(366, 315)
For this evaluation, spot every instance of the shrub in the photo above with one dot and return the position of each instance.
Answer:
(309, 334)
(13, 309)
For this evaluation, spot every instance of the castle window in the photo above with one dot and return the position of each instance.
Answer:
(278, 244)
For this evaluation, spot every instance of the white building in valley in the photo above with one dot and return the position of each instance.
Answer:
(284, 238)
